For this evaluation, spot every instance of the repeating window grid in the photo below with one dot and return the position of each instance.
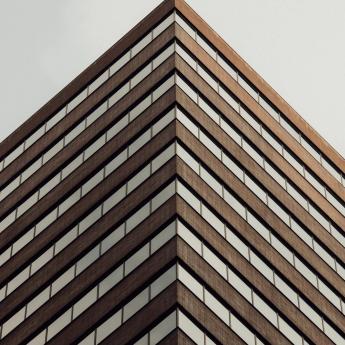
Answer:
(119, 159)
(275, 143)
(76, 131)
(242, 209)
(91, 218)
(272, 111)
(335, 231)
(264, 268)
(99, 250)
(100, 80)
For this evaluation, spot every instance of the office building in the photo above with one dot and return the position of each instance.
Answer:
(169, 195)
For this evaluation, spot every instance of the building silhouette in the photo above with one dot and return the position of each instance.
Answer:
(169, 195)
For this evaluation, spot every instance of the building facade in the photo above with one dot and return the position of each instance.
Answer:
(168, 195)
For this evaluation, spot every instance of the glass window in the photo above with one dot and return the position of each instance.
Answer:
(237, 243)
(190, 329)
(121, 124)
(53, 151)
(135, 304)
(217, 307)
(187, 89)
(94, 147)
(112, 238)
(258, 226)
(111, 280)
(90, 219)
(75, 132)
(4, 256)
(231, 131)
(163, 196)
(92, 182)
(139, 178)
(21, 242)
(185, 26)
(310, 149)
(301, 233)
(108, 327)
(163, 25)
(42, 260)
(319, 217)
(210, 145)
(116, 162)
(118, 94)
(141, 44)
(187, 158)
(265, 309)
(66, 240)
(316, 184)
(215, 262)
(62, 281)
(27, 204)
(278, 211)
(77, 100)
(333, 334)
(18, 280)
(240, 285)
(209, 80)
(186, 57)
(230, 70)
(289, 128)
(165, 156)
(229, 99)
(206, 46)
(282, 249)
(286, 290)
(98, 82)
(289, 332)
(89, 340)
(59, 324)
(163, 281)
(188, 197)
(253, 153)
(163, 329)
(14, 154)
(254, 187)
(33, 138)
(85, 302)
(163, 237)
(261, 266)
(162, 89)
(39, 339)
(143, 341)
(141, 75)
(213, 220)
(72, 166)
(114, 199)
(189, 281)
(187, 123)
(250, 119)
(189, 237)
(50, 185)
(293, 161)
(209, 111)
(9, 188)
(31, 169)
(139, 143)
(324, 254)
(330, 295)
(143, 105)
(87, 260)
(13, 322)
(305, 271)
(163, 122)
(275, 174)
(119, 63)
(271, 140)
(242, 330)
(310, 313)
(54, 120)
(45, 222)
(211, 181)
(163, 56)
(235, 169)
(135, 260)
(269, 108)
(137, 218)
(250, 89)
(69, 202)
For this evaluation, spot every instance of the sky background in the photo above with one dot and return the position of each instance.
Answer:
(297, 46)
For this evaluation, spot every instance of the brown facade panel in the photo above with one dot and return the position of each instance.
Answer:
(81, 81)
(261, 85)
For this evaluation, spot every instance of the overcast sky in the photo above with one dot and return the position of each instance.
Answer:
(298, 46)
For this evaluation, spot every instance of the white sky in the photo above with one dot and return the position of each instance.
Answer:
(298, 46)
